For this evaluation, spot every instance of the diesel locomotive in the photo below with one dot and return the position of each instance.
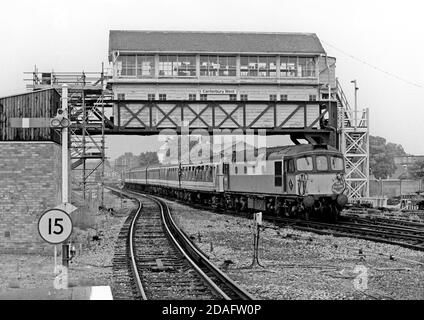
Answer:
(304, 181)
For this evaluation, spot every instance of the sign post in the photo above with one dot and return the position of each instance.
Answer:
(55, 227)
(121, 186)
(257, 222)
(65, 169)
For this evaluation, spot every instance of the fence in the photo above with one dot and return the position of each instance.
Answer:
(394, 187)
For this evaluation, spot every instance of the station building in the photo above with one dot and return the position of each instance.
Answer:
(240, 66)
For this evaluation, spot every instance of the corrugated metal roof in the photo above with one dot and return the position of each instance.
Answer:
(228, 42)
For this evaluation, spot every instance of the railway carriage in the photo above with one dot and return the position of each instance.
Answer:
(300, 181)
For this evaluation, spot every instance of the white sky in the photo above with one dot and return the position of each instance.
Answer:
(73, 35)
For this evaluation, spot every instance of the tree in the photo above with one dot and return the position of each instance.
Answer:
(416, 170)
(148, 158)
(382, 155)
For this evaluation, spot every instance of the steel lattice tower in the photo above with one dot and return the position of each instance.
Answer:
(354, 144)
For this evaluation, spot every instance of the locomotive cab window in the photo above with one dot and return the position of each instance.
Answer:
(290, 166)
(304, 164)
(336, 163)
(278, 181)
(322, 164)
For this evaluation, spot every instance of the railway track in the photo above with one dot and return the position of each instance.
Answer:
(162, 261)
(383, 221)
(124, 287)
(406, 235)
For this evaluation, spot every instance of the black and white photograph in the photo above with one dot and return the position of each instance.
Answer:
(186, 153)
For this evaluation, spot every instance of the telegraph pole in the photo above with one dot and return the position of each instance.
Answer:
(356, 103)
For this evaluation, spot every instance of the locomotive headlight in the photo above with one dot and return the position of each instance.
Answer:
(308, 201)
(341, 200)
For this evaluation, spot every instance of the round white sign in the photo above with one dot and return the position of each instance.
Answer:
(55, 226)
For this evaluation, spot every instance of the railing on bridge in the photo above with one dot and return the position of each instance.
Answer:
(41, 80)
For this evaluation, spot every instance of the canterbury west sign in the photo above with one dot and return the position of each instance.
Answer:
(218, 91)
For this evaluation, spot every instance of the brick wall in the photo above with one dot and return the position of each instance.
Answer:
(30, 183)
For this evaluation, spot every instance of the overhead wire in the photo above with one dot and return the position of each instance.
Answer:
(375, 67)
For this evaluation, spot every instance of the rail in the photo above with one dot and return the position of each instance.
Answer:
(201, 258)
(407, 237)
(224, 287)
(132, 253)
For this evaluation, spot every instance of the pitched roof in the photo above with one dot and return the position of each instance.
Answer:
(293, 150)
(228, 42)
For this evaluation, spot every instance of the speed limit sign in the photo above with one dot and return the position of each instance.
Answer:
(55, 226)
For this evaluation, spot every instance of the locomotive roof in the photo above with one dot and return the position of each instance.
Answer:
(287, 151)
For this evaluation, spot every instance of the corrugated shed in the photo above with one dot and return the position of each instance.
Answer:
(214, 42)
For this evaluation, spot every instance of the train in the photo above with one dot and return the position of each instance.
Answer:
(302, 181)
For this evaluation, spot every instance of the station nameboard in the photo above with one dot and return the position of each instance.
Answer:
(218, 91)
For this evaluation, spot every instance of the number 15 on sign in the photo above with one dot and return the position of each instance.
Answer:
(55, 226)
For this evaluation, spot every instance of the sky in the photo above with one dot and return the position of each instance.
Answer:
(362, 35)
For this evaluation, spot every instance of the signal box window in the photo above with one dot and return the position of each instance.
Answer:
(288, 66)
(177, 66)
(211, 66)
(254, 66)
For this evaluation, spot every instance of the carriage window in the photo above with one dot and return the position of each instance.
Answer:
(336, 163)
(245, 170)
(322, 164)
(304, 164)
(236, 169)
